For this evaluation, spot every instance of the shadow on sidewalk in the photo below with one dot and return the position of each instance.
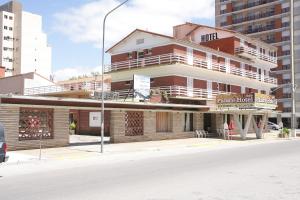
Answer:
(87, 143)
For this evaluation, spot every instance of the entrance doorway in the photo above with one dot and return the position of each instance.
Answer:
(207, 121)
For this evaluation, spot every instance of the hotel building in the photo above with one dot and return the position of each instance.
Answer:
(268, 20)
(196, 79)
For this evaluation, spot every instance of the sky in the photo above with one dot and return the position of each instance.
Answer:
(74, 27)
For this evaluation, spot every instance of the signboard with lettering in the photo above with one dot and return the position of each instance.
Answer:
(209, 37)
(246, 101)
(95, 119)
(141, 86)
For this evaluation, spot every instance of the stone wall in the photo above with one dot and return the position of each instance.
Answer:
(117, 130)
(9, 117)
(198, 121)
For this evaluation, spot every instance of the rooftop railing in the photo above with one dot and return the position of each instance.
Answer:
(87, 86)
(167, 59)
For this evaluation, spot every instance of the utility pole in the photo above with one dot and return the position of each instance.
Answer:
(293, 114)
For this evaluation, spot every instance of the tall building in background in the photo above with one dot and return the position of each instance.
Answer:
(23, 44)
(268, 20)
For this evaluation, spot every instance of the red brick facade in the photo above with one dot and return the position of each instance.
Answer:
(2, 72)
(225, 44)
(155, 51)
(82, 122)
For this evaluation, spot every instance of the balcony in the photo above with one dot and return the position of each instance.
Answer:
(252, 4)
(253, 17)
(176, 91)
(287, 95)
(288, 109)
(169, 59)
(252, 53)
(260, 29)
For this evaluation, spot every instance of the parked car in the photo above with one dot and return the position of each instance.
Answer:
(273, 126)
(3, 145)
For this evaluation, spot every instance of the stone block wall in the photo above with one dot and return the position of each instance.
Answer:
(117, 130)
(198, 121)
(219, 121)
(9, 117)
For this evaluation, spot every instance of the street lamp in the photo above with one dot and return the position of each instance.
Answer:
(293, 117)
(102, 85)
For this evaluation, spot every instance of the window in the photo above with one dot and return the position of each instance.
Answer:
(134, 123)
(140, 41)
(10, 28)
(164, 122)
(10, 17)
(228, 88)
(148, 51)
(33, 122)
(5, 16)
(188, 122)
(5, 27)
(141, 54)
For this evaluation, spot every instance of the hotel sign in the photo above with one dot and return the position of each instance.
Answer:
(246, 101)
(209, 37)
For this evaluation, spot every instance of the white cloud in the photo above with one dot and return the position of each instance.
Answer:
(84, 24)
(69, 72)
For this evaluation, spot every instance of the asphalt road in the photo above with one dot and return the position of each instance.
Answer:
(263, 171)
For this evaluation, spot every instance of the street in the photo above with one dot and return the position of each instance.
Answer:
(261, 171)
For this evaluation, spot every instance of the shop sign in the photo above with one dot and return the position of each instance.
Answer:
(243, 101)
(95, 119)
(265, 101)
(141, 86)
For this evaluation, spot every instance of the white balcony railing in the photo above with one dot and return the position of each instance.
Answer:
(166, 59)
(176, 91)
(88, 86)
(256, 54)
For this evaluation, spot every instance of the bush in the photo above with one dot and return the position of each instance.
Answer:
(285, 132)
(72, 126)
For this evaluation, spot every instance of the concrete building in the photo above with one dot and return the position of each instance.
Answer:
(268, 20)
(24, 84)
(162, 87)
(23, 44)
(191, 68)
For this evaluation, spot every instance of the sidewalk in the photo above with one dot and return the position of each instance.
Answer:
(151, 148)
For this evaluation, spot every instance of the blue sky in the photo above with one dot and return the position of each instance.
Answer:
(65, 53)
(74, 27)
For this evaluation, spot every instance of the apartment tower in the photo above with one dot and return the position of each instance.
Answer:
(269, 20)
(23, 44)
